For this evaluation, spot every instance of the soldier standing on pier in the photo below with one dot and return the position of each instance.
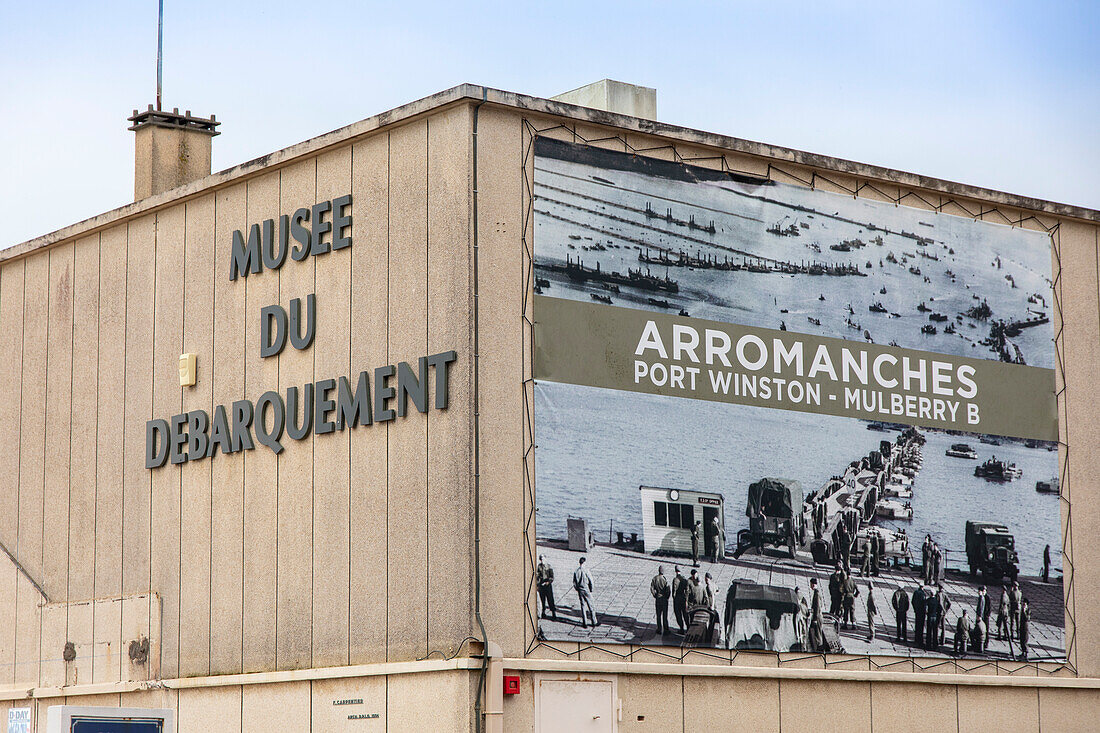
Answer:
(544, 579)
(920, 605)
(1004, 630)
(658, 588)
(850, 590)
(707, 598)
(1046, 564)
(1015, 601)
(844, 546)
(944, 602)
(926, 559)
(716, 539)
(695, 532)
(817, 621)
(679, 598)
(695, 591)
(582, 583)
(819, 519)
(1024, 625)
(872, 611)
(836, 585)
(982, 609)
(931, 622)
(962, 633)
(937, 563)
(900, 602)
(865, 566)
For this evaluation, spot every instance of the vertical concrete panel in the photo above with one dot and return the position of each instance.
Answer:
(828, 707)
(294, 632)
(433, 701)
(1068, 711)
(52, 648)
(85, 416)
(1081, 346)
(107, 641)
(138, 391)
(196, 488)
(998, 708)
(408, 530)
(369, 348)
(283, 707)
(79, 634)
(209, 709)
(261, 472)
(500, 287)
(893, 706)
(227, 372)
(110, 411)
(164, 516)
(59, 372)
(140, 619)
(32, 441)
(11, 358)
(336, 702)
(331, 452)
(714, 703)
(653, 702)
(450, 444)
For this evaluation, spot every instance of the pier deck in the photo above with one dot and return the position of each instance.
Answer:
(626, 610)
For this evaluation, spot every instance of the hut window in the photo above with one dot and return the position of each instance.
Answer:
(660, 514)
(687, 519)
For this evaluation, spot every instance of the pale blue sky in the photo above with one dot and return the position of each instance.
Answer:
(998, 94)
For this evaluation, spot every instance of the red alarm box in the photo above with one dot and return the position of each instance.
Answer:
(511, 684)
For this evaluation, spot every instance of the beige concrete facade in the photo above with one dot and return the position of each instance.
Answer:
(271, 589)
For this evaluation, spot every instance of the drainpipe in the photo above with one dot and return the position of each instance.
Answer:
(485, 644)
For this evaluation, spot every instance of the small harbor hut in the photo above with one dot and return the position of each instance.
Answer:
(669, 514)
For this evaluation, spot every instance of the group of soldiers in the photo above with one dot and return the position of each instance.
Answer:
(717, 541)
(685, 592)
(929, 601)
(932, 565)
(931, 604)
(843, 592)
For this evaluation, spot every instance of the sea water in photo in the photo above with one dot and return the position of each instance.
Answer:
(919, 271)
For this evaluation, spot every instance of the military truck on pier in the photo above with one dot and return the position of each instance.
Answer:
(991, 550)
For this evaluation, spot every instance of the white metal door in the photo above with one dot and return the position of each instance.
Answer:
(575, 706)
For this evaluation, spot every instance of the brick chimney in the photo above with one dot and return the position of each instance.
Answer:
(170, 149)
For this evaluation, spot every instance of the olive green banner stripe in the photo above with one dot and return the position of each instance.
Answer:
(595, 345)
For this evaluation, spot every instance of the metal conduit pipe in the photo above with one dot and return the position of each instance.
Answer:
(492, 721)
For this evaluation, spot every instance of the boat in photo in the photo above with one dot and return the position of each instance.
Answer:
(994, 470)
(1047, 487)
(961, 450)
(893, 509)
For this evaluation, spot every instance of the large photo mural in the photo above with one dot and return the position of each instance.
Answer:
(774, 418)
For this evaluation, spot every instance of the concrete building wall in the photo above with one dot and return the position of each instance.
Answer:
(320, 556)
(270, 587)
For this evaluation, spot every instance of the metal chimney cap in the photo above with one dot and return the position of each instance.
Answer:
(161, 118)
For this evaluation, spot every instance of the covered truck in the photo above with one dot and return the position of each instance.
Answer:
(774, 509)
(765, 617)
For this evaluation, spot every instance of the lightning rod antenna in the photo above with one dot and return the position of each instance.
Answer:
(160, 45)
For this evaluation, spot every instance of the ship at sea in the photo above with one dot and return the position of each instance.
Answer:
(1001, 471)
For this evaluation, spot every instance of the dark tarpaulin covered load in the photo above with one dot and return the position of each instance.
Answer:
(772, 599)
(774, 497)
